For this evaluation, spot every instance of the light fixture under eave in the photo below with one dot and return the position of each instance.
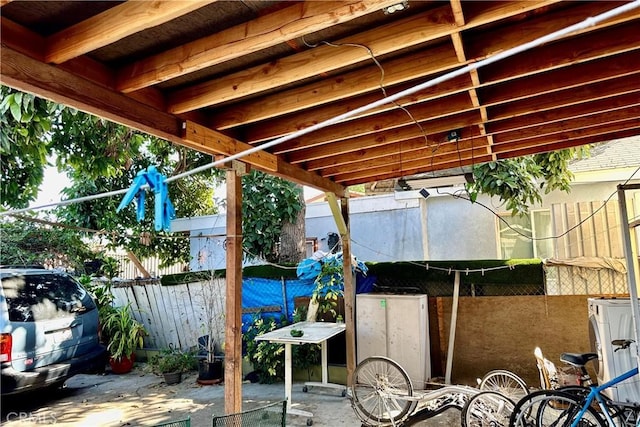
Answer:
(403, 185)
(396, 7)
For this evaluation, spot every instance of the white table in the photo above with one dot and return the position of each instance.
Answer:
(314, 333)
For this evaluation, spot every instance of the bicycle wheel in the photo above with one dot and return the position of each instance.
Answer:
(551, 408)
(381, 391)
(505, 382)
(487, 409)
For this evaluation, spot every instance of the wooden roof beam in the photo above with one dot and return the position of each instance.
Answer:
(381, 40)
(402, 151)
(587, 108)
(491, 42)
(422, 64)
(317, 156)
(380, 170)
(26, 74)
(268, 129)
(419, 164)
(566, 97)
(504, 97)
(582, 49)
(266, 31)
(585, 122)
(114, 24)
(428, 114)
(354, 83)
(586, 47)
(565, 135)
(577, 142)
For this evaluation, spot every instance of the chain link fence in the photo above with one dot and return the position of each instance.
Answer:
(556, 280)
(573, 280)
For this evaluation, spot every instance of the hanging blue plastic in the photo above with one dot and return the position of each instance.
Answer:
(164, 210)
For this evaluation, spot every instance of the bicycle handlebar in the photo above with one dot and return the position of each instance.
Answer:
(622, 344)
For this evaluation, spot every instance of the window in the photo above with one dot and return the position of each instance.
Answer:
(36, 297)
(516, 234)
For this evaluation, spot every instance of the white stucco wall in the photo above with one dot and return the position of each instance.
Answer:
(389, 227)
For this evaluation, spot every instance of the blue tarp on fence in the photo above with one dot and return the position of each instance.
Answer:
(258, 292)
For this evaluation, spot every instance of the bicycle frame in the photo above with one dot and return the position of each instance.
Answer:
(594, 393)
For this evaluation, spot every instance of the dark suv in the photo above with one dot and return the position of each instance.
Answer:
(48, 329)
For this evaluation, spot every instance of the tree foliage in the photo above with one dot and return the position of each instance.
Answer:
(519, 182)
(24, 120)
(268, 202)
(98, 156)
(27, 242)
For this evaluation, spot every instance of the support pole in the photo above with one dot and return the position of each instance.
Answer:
(630, 254)
(341, 216)
(452, 328)
(233, 319)
(349, 293)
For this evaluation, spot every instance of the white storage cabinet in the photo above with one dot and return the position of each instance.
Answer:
(395, 326)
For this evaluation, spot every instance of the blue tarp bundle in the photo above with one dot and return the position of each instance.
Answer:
(258, 292)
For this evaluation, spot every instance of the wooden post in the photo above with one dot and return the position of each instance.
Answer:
(233, 331)
(341, 217)
(134, 259)
(452, 328)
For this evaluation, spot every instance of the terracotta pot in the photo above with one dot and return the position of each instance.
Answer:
(122, 366)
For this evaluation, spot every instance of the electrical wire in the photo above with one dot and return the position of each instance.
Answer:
(591, 21)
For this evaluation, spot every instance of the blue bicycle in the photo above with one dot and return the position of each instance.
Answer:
(576, 406)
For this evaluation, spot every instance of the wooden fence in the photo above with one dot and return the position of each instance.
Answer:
(175, 315)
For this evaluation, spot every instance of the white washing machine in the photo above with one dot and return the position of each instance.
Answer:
(610, 319)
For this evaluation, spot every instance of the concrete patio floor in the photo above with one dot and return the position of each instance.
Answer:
(140, 398)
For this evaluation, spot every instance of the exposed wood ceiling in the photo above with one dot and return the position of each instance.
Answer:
(225, 76)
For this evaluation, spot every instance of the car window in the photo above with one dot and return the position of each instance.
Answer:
(36, 297)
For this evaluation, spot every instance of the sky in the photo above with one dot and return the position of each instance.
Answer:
(52, 184)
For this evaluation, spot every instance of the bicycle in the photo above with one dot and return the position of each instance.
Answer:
(382, 395)
(577, 406)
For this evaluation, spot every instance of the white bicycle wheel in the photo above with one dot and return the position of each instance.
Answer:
(381, 392)
(487, 409)
(506, 383)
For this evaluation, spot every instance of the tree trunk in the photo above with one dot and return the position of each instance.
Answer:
(292, 238)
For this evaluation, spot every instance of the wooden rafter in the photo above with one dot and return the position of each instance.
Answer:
(114, 24)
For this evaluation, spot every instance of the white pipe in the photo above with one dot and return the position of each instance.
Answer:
(392, 98)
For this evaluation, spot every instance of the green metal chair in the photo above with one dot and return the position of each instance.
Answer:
(186, 422)
(272, 415)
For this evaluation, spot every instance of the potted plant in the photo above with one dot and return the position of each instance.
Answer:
(211, 356)
(124, 335)
(172, 363)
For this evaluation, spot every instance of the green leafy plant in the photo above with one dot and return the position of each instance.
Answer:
(124, 332)
(519, 182)
(173, 360)
(329, 287)
(267, 358)
(102, 295)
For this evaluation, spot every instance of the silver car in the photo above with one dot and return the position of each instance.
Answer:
(48, 329)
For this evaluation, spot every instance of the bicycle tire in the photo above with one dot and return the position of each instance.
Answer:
(487, 409)
(380, 391)
(552, 408)
(505, 382)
